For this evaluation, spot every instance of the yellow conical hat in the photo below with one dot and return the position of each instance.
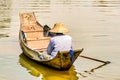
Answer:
(59, 28)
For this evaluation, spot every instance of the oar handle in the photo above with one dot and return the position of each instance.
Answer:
(107, 62)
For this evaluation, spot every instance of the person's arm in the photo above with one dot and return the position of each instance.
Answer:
(50, 47)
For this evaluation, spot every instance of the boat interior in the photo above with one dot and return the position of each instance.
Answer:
(33, 33)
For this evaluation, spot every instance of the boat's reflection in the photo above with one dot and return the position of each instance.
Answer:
(38, 70)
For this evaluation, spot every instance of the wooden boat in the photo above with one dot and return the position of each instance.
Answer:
(33, 41)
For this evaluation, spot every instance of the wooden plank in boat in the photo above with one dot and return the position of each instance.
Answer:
(38, 44)
(34, 35)
(31, 28)
(28, 18)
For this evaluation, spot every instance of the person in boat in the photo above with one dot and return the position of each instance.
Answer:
(60, 41)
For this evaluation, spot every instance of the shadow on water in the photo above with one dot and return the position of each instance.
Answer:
(47, 73)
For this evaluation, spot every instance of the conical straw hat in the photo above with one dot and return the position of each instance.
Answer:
(59, 28)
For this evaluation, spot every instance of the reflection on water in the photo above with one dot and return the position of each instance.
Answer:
(46, 73)
(5, 19)
(5, 6)
(3, 35)
(42, 6)
(107, 3)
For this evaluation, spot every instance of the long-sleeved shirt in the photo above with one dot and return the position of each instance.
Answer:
(59, 43)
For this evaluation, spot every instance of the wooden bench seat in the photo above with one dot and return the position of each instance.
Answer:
(38, 44)
(35, 39)
(34, 35)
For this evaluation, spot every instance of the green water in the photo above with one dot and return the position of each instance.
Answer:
(93, 24)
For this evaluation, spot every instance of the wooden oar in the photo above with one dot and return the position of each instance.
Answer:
(106, 62)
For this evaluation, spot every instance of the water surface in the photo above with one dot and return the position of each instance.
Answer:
(93, 24)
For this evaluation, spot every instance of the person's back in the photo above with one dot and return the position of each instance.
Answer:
(60, 42)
